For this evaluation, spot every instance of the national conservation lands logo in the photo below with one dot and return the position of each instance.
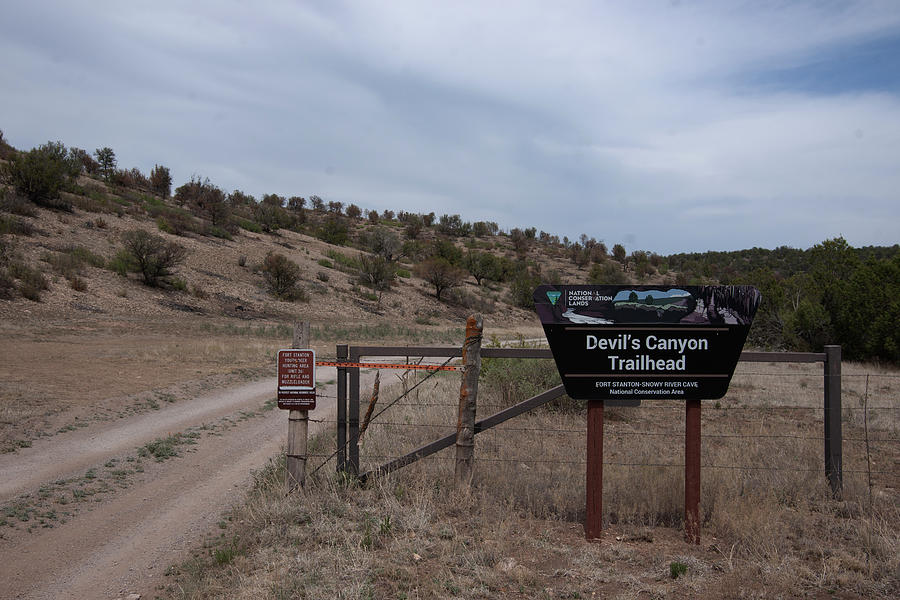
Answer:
(634, 342)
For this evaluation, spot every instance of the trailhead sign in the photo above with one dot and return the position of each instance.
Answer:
(632, 342)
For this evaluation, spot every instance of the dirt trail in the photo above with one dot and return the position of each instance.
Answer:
(125, 544)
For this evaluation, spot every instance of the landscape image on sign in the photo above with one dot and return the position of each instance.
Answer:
(706, 305)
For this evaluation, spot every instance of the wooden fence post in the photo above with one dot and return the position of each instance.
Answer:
(468, 397)
(298, 425)
(833, 435)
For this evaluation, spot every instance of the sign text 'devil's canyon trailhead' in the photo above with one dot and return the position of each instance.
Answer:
(632, 342)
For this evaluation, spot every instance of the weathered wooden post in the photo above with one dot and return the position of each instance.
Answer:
(833, 435)
(468, 396)
(298, 425)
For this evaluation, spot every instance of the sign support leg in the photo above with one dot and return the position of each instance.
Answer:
(593, 522)
(692, 471)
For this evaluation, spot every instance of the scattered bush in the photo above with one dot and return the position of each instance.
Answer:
(41, 173)
(281, 275)
(334, 231)
(161, 181)
(440, 274)
(150, 255)
(14, 226)
(376, 272)
(13, 204)
(608, 273)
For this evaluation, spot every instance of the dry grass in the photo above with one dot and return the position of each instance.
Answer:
(770, 525)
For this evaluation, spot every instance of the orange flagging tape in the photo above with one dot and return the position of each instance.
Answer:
(332, 363)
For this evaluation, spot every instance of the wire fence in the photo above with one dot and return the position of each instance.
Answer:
(771, 422)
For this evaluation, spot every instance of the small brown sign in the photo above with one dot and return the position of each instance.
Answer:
(296, 370)
(297, 399)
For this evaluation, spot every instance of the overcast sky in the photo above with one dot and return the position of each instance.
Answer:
(668, 126)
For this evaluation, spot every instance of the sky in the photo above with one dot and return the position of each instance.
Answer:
(668, 126)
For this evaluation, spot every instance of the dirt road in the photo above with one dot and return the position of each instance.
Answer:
(124, 543)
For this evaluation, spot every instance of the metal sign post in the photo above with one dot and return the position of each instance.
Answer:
(623, 344)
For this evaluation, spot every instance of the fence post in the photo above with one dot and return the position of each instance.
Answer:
(353, 414)
(468, 397)
(298, 425)
(341, 409)
(833, 438)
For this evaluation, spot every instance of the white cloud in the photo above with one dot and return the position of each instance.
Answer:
(624, 121)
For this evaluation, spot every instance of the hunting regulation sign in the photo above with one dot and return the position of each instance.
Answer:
(632, 342)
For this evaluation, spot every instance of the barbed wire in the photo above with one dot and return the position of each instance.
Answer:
(526, 461)
(613, 432)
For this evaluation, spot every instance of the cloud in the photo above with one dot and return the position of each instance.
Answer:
(674, 126)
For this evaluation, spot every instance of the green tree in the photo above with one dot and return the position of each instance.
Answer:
(107, 160)
(619, 254)
(41, 173)
(481, 265)
(161, 181)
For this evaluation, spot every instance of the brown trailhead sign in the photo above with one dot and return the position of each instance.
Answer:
(297, 379)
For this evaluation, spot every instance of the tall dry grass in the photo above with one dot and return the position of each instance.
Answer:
(770, 524)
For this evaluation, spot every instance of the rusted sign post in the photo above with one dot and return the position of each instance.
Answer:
(622, 344)
(297, 393)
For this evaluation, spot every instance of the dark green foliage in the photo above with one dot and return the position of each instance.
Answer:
(150, 255)
(205, 200)
(161, 181)
(106, 158)
(453, 225)
(281, 275)
(41, 173)
(376, 272)
(482, 265)
(521, 288)
(607, 273)
(334, 231)
(445, 249)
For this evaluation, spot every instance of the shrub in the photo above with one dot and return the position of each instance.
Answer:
(376, 272)
(324, 262)
(521, 289)
(14, 226)
(333, 231)
(609, 273)
(440, 274)
(41, 173)
(31, 281)
(204, 199)
(12, 203)
(150, 255)
(281, 275)
(161, 181)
